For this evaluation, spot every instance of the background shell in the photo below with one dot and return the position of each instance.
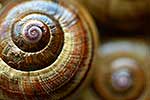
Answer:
(124, 15)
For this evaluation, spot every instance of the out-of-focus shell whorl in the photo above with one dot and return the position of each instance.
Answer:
(46, 49)
(123, 73)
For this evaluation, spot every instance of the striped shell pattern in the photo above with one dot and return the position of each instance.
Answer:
(46, 49)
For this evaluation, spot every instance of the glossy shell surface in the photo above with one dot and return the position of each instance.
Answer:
(46, 49)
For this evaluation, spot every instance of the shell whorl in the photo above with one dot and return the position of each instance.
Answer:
(123, 72)
(46, 49)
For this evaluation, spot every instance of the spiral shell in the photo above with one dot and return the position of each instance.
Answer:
(46, 49)
(123, 72)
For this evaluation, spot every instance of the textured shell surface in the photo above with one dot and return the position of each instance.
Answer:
(46, 49)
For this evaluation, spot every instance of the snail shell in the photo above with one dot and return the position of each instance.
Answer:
(123, 73)
(46, 49)
(126, 15)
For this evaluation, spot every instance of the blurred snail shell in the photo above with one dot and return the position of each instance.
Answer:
(123, 71)
(46, 49)
(126, 15)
